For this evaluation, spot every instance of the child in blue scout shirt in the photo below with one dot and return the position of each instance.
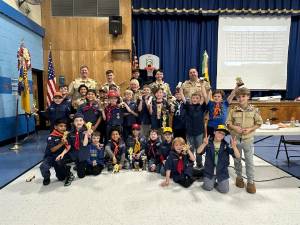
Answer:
(217, 160)
(177, 107)
(115, 149)
(164, 149)
(218, 109)
(55, 146)
(113, 113)
(78, 139)
(130, 117)
(179, 164)
(58, 110)
(135, 145)
(159, 110)
(95, 162)
(144, 115)
(90, 109)
(151, 151)
(195, 120)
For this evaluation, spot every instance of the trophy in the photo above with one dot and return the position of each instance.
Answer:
(116, 168)
(88, 125)
(239, 81)
(65, 135)
(164, 118)
(130, 152)
(185, 149)
(144, 158)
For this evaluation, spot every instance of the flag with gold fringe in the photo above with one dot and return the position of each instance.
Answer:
(24, 65)
(205, 66)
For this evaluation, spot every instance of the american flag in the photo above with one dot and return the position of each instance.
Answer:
(51, 80)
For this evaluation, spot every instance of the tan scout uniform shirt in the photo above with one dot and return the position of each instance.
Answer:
(164, 86)
(190, 87)
(245, 118)
(106, 86)
(74, 85)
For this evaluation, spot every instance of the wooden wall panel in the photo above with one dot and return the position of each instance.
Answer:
(86, 40)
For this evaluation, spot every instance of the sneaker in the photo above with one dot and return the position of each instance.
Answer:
(72, 177)
(46, 181)
(251, 188)
(68, 181)
(239, 182)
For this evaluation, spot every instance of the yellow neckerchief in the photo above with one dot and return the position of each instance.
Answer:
(239, 108)
(137, 146)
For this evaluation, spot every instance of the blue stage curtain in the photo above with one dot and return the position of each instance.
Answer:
(293, 79)
(179, 42)
(216, 7)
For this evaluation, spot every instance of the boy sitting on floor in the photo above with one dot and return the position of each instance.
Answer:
(179, 164)
(95, 163)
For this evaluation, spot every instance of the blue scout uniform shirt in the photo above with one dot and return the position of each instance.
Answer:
(223, 161)
(144, 115)
(194, 118)
(171, 164)
(96, 154)
(130, 119)
(217, 113)
(90, 111)
(164, 150)
(179, 116)
(82, 154)
(131, 141)
(117, 117)
(155, 122)
(152, 151)
(121, 149)
(52, 141)
(58, 111)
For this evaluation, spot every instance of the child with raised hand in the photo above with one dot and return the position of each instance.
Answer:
(218, 109)
(179, 164)
(195, 110)
(242, 122)
(131, 115)
(144, 115)
(95, 162)
(135, 145)
(217, 159)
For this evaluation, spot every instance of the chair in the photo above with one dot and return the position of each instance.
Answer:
(285, 143)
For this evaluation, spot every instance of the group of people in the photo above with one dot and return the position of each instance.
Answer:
(146, 127)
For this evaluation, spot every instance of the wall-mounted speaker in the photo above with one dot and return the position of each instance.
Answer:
(115, 25)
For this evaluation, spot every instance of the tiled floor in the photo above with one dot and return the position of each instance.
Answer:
(136, 198)
(13, 164)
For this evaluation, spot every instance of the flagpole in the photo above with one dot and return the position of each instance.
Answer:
(17, 145)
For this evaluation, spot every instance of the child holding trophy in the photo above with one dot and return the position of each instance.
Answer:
(136, 147)
(164, 149)
(115, 149)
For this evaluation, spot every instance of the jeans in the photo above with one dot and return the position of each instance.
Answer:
(208, 184)
(247, 147)
(195, 142)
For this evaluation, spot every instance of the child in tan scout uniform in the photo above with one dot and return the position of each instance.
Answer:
(242, 121)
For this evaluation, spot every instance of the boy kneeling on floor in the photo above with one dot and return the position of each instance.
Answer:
(217, 160)
(179, 164)
(56, 144)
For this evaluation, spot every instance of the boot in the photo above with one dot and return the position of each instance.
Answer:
(239, 182)
(251, 188)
